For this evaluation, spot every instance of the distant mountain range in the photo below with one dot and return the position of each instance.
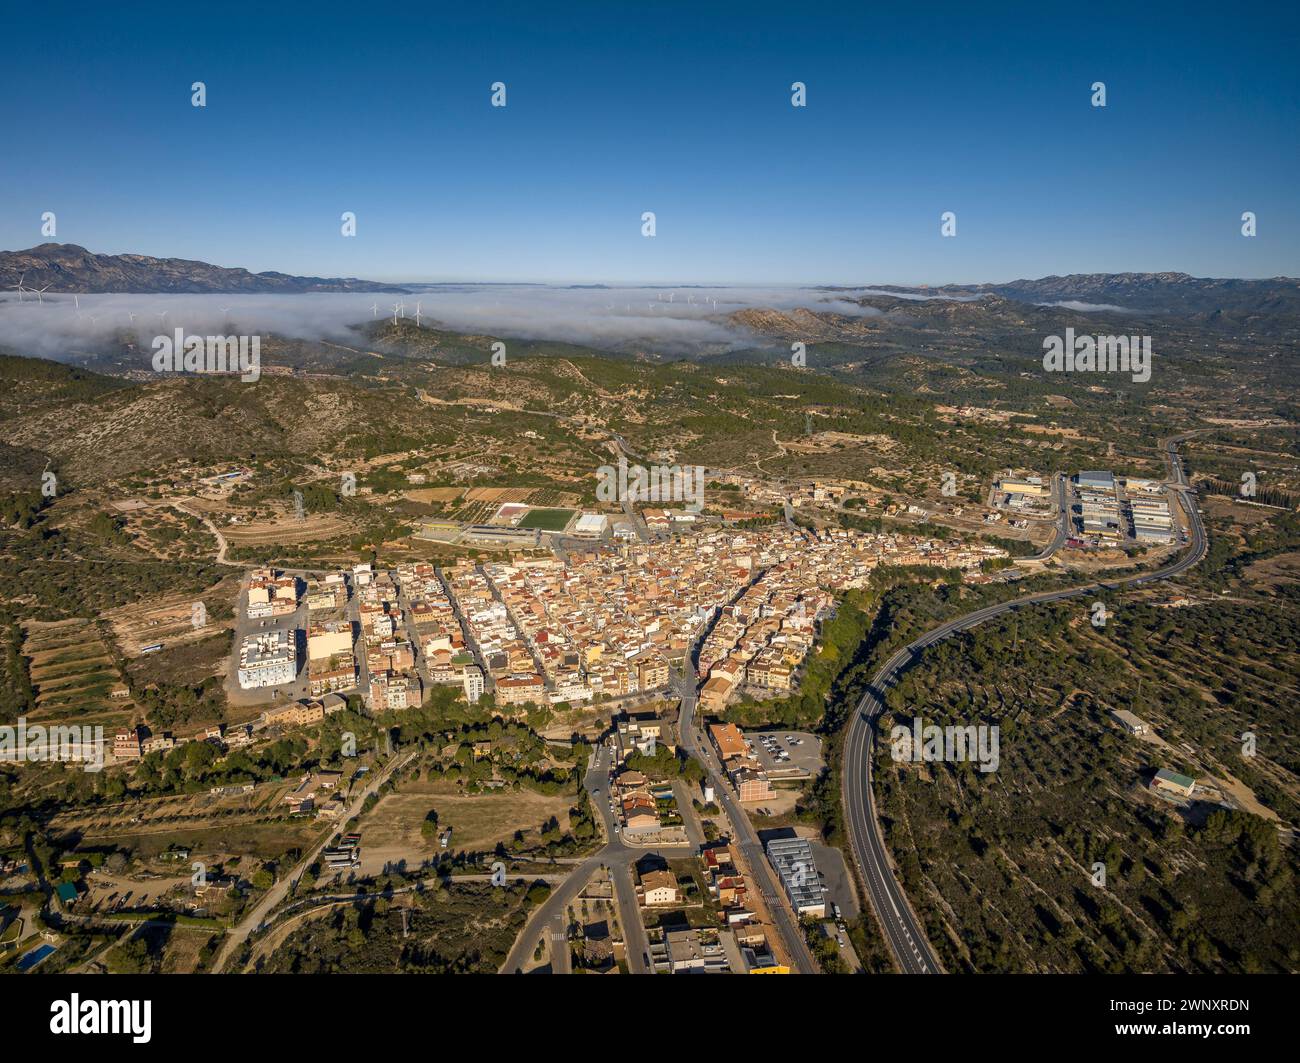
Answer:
(1143, 292)
(68, 268)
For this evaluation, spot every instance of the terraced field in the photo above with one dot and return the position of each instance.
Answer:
(312, 527)
(213, 823)
(71, 669)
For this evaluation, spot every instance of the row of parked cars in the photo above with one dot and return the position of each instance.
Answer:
(773, 745)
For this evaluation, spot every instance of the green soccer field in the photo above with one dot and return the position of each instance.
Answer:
(547, 519)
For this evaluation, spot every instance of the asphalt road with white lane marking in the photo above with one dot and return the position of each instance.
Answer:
(903, 931)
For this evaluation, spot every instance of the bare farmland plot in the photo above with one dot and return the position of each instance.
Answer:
(169, 620)
(478, 822)
(497, 495)
(431, 495)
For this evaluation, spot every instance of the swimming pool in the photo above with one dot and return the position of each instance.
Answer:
(31, 959)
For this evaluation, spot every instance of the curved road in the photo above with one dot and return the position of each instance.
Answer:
(261, 912)
(550, 918)
(903, 931)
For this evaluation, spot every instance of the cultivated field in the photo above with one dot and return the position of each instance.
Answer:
(497, 495)
(189, 816)
(434, 494)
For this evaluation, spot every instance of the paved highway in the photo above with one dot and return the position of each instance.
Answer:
(1063, 519)
(903, 931)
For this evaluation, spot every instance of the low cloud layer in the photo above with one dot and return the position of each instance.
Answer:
(672, 320)
(1088, 308)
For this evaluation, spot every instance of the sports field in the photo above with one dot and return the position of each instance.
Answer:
(547, 519)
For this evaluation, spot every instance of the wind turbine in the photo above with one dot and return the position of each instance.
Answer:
(374, 309)
(163, 317)
(670, 296)
(223, 309)
(40, 292)
(402, 308)
(417, 315)
(19, 287)
(395, 309)
(690, 298)
(131, 316)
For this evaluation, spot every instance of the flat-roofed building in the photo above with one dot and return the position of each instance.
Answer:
(1149, 505)
(652, 670)
(751, 784)
(392, 691)
(301, 713)
(1031, 485)
(688, 952)
(334, 673)
(1098, 479)
(322, 599)
(473, 683)
(590, 526)
(490, 535)
(1134, 725)
(792, 859)
(1171, 782)
(267, 659)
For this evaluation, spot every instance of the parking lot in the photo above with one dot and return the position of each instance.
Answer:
(786, 754)
(296, 624)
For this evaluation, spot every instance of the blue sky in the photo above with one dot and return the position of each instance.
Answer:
(683, 110)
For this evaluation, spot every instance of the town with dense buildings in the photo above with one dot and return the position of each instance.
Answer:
(608, 623)
(623, 718)
(611, 629)
(501, 490)
(639, 631)
(633, 634)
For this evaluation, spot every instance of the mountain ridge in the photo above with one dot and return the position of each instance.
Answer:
(71, 268)
(1166, 291)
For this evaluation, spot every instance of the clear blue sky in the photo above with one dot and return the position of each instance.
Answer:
(913, 109)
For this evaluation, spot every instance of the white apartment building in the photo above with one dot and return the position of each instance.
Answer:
(266, 660)
(473, 684)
